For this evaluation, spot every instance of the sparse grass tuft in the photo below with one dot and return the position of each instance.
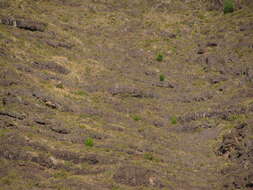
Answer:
(229, 6)
(89, 142)
(162, 77)
(173, 120)
(148, 156)
(81, 93)
(159, 57)
(136, 118)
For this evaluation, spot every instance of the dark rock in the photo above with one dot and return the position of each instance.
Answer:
(137, 176)
(51, 66)
(59, 128)
(13, 115)
(31, 25)
(217, 79)
(211, 44)
(40, 122)
(48, 100)
(201, 51)
(24, 24)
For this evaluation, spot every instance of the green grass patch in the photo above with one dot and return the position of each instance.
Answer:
(228, 6)
(159, 57)
(162, 77)
(89, 142)
(173, 120)
(80, 93)
(136, 118)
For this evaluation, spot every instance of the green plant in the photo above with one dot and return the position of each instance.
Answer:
(162, 77)
(89, 142)
(159, 57)
(81, 93)
(228, 6)
(148, 156)
(173, 120)
(136, 117)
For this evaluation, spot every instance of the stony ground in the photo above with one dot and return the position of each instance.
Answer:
(123, 95)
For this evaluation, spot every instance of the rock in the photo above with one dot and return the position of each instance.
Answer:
(12, 114)
(200, 51)
(24, 24)
(137, 176)
(217, 79)
(211, 44)
(59, 129)
(56, 44)
(51, 66)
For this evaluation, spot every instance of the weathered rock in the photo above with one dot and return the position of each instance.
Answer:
(12, 114)
(59, 129)
(24, 24)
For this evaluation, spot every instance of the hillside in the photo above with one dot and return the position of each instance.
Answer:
(126, 95)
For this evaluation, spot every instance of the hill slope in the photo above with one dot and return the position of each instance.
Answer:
(108, 94)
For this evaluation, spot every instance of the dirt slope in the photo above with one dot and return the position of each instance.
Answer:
(123, 95)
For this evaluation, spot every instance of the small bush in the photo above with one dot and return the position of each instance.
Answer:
(89, 142)
(162, 77)
(136, 118)
(159, 57)
(229, 6)
(173, 120)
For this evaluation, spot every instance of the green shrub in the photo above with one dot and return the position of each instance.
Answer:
(162, 77)
(173, 120)
(159, 57)
(136, 117)
(228, 6)
(89, 142)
